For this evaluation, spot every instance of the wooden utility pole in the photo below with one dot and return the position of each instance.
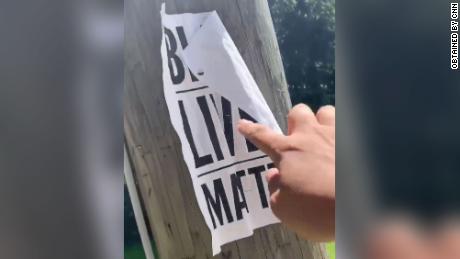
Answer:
(154, 148)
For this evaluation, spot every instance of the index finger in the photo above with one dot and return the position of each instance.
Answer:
(266, 139)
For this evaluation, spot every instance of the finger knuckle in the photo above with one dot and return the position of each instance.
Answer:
(300, 111)
(282, 145)
(256, 130)
(300, 107)
(326, 110)
(289, 144)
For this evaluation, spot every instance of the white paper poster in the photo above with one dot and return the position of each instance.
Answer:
(208, 88)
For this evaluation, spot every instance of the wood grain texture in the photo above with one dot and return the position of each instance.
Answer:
(155, 150)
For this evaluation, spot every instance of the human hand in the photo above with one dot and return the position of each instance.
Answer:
(302, 186)
(402, 239)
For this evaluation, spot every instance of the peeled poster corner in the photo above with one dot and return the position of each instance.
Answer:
(208, 88)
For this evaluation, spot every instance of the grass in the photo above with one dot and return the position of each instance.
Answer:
(330, 248)
(134, 252)
(137, 251)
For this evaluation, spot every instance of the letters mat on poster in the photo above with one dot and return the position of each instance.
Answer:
(208, 88)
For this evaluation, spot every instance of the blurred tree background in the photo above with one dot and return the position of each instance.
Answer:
(306, 35)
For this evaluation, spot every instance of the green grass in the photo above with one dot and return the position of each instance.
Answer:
(137, 251)
(330, 248)
(134, 252)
